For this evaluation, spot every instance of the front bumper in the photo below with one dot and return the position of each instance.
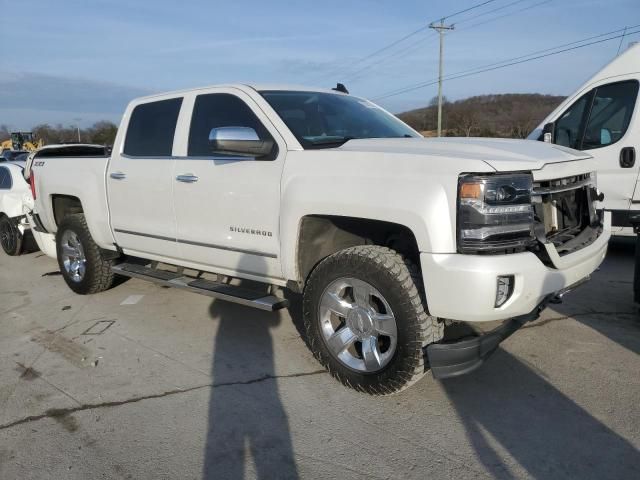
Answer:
(463, 287)
(452, 359)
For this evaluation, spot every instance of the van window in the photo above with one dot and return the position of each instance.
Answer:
(151, 128)
(569, 125)
(610, 115)
(5, 179)
(221, 110)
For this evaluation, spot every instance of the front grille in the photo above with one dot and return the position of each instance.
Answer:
(565, 212)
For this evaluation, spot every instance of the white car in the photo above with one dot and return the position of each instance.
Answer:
(388, 236)
(602, 118)
(13, 223)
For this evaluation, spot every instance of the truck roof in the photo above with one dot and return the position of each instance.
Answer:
(244, 86)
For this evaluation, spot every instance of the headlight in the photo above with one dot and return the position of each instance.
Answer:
(494, 212)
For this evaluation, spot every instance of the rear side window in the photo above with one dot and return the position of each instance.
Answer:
(221, 110)
(151, 129)
(5, 179)
(73, 151)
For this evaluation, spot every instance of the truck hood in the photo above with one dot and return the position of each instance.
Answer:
(501, 154)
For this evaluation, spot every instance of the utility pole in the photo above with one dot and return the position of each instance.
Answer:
(78, 127)
(440, 28)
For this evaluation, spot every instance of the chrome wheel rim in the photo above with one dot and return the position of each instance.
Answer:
(7, 238)
(73, 258)
(357, 325)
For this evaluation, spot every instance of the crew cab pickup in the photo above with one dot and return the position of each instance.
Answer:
(388, 236)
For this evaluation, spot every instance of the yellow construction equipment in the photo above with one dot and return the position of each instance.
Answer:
(21, 141)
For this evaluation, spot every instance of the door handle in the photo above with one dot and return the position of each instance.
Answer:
(627, 157)
(118, 175)
(187, 178)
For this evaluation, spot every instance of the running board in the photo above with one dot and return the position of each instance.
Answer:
(223, 291)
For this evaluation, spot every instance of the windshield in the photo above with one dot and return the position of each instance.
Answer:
(324, 120)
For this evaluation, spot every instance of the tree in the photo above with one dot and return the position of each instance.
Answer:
(464, 119)
(47, 133)
(434, 101)
(4, 133)
(103, 132)
(504, 115)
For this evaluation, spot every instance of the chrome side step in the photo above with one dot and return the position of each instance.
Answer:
(210, 288)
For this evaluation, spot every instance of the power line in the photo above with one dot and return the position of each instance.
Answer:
(621, 40)
(501, 65)
(529, 54)
(409, 35)
(546, 50)
(395, 55)
(380, 50)
(508, 14)
(473, 7)
(482, 14)
(402, 53)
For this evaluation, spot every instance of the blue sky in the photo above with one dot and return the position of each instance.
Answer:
(85, 59)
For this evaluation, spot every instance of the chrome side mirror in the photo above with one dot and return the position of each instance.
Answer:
(241, 141)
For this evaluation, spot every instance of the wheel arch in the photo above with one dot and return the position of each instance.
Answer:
(320, 236)
(64, 205)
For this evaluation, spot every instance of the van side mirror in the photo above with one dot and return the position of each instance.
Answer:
(548, 132)
(241, 141)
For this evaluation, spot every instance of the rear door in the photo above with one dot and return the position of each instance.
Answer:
(227, 212)
(604, 122)
(140, 184)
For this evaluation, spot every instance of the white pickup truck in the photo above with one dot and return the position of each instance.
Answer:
(389, 237)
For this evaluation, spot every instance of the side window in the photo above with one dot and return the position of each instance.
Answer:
(221, 110)
(569, 125)
(151, 128)
(610, 115)
(5, 179)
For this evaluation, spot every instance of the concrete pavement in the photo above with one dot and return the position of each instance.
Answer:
(144, 382)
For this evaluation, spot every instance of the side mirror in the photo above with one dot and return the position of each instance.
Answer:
(241, 141)
(548, 132)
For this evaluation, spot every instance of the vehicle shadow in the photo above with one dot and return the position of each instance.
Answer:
(247, 423)
(606, 303)
(509, 409)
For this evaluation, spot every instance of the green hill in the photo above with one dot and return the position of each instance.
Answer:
(503, 115)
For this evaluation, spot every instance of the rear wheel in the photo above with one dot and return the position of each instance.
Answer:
(10, 236)
(366, 320)
(85, 267)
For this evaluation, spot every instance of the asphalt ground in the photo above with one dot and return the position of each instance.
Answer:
(144, 382)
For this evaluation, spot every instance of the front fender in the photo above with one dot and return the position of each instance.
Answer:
(418, 196)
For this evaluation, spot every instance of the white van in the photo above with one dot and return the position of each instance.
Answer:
(602, 118)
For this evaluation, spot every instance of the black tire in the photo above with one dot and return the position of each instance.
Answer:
(10, 236)
(98, 276)
(400, 282)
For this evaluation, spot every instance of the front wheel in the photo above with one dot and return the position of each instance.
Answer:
(84, 265)
(10, 236)
(366, 321)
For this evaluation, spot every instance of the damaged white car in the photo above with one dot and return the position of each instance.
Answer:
(13, 222)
